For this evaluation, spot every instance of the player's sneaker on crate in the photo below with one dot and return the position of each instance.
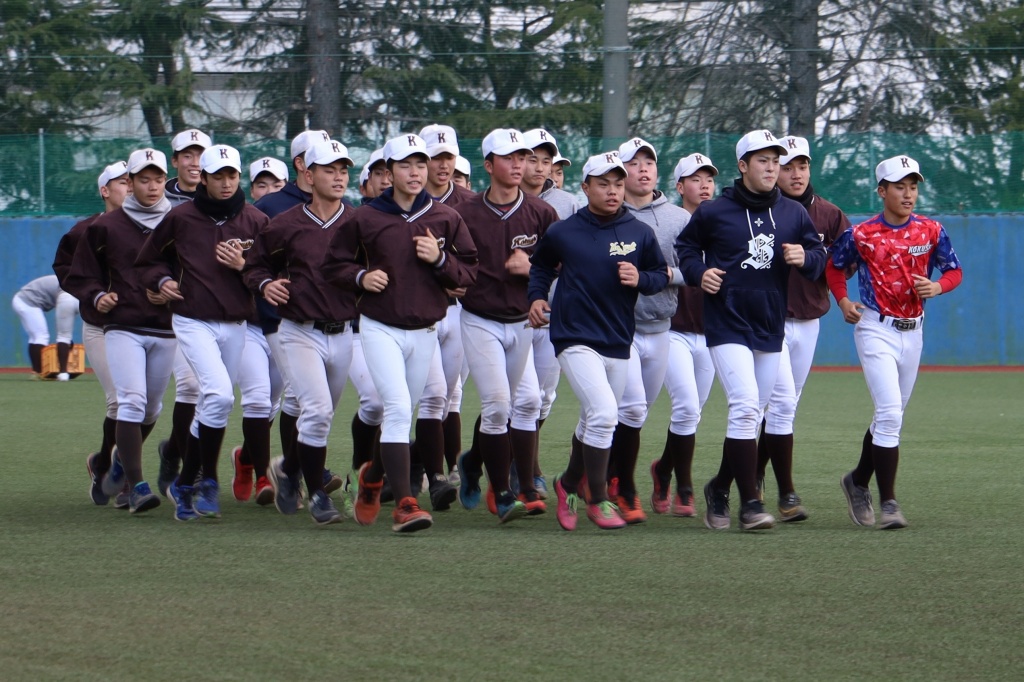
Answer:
(264, 491)
(508, 507)
(322, 509)
(241, 480)
(442, 493)
(286, 488)
(534, 505)
(659, 497)
(367, 505)
(791, 508)
(565, 506)
(114, 479)
(409, 518)
(754, 517)
(142, 499)
(332, 481)
(892, 518)
(682, 504)
(605, 515)
(630, 510)
(207, 500)
(123, 499)
(858, 501)
(184, 506)
(63, 376)
(96, 493)
(168, 469)
(540, 484)
(469, 483)
(716, 513)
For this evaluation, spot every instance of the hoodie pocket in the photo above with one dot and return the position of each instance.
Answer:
(758, 310)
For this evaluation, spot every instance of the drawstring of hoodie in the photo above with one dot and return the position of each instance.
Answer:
(750, 225)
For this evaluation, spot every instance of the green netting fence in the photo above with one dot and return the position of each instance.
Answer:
(56, 175)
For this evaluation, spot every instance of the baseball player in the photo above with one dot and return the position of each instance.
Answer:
(690, 371)
(314, 342)
(505, 224)
(648, 358)
(113, 187)
(400, 251)
(186, 147)
(740, 248)
(463, 174)
(266, 176)
(374, 177)
(558, 165)
(31, 304)
(136, 324)
(195, 259)
(895, 254)
(808, 301)
(606, 257)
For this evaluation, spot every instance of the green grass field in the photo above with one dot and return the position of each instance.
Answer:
(91, 593)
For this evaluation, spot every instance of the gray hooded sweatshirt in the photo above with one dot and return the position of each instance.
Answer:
(654, 313)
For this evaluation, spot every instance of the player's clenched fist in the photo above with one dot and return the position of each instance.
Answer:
(106, 302)
(793, 254)
(711, 281)
(851, 310)
(540, 313)
(426, 248)
(926, 288)
(276, 292)
(374, 281)
(170, 289)
(628, 274)
(518, 263)
(230, 254)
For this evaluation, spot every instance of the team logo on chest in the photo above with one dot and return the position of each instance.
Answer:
(621, 248)
(761, 252)
(524, 241)
(919, 250)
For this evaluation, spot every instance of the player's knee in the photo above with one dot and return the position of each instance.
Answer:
(887, 427)
(744, 420)
(495, 419)
(131, 411)
(684, 421)
(633, 415)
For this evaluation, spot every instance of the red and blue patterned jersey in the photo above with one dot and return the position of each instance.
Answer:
(888, 256)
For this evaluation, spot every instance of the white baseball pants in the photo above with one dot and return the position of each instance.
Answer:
(598, 383)
(497, 355)
(890, 360)
(94, 341)
(259, 379)
(140, 375)
(688, 380)
(747, 377)
(794, 366)
(648, 365)
(213, 349)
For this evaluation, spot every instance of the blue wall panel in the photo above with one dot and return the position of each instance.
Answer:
(981, 323)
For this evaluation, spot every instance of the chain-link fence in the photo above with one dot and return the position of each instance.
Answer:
(56, 175)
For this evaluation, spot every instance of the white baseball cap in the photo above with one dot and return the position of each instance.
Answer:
(539, 137)
(404, 146)
(603, 163)
(795, 146)
(376, 156)
(114, 170)
(897, 168)
(756, 140)
(560, 159)
(364, 176)
(268, 164)
(220, 156)
(463, 166)
(629, 148)
(504, 141)
(190, 138)
(688, 165)
(440, 139)
(141, 158)
(305, 140)
(324, 152)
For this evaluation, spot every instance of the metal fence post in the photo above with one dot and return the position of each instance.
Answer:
(42, 172)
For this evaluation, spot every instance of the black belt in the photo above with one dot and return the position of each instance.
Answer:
(901, 324)
(331, 327)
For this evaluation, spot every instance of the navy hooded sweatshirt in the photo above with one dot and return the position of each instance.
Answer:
(744, 238)
(591, 307)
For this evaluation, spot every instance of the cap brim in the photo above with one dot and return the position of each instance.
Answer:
(441, 149)
(511, 149)
(896, 177)
(636, 150)
(605, 170)
(777, 147)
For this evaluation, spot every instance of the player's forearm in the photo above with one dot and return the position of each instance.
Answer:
(951, 279)
(836, 281)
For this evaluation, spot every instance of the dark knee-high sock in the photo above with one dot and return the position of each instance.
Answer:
(536, 451)
(63, 351)
(395, 460)
(145, 430)
(680, 449)
(524, 445)
(256, 443)
(35, 356)
(474, 457)
(595, 460)
(624, 452)
(364, 437)
(129, 450)
(289, 433)
(780, 449)
(181, 422)
(430, 444)
(109, 438)
(575, 469)
(887, 460)
(724, 477)
(763, 456)
(312, 459)
(742, 456)
(452, 428)
(190, 462)
(866, 466)
(210, 440)
(496, 451)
